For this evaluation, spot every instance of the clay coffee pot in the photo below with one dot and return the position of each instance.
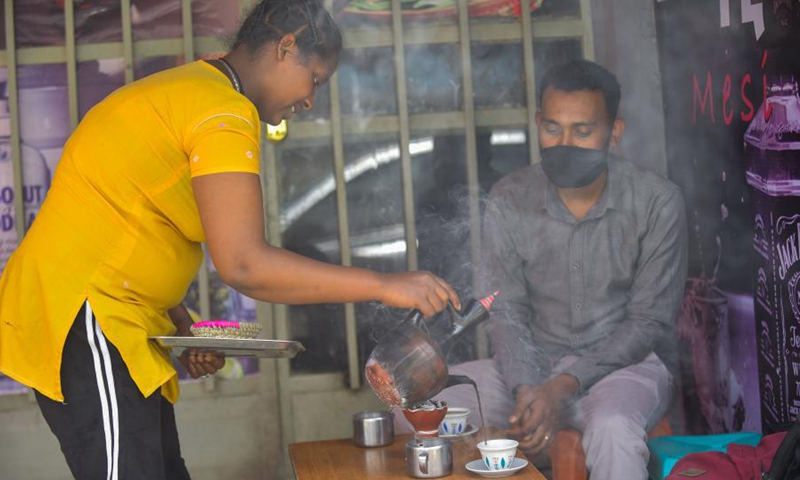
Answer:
(408, 367)
(425, 418)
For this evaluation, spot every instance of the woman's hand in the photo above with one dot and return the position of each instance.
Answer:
(201, 363)
(421, 290)
(198, 363)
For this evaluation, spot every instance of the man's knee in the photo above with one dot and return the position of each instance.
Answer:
(621, 428)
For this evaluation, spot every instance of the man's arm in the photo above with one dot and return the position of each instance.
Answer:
(655, 296)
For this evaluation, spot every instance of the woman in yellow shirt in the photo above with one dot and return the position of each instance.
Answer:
(154, 170)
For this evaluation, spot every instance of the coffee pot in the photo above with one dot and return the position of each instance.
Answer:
(408, 367)
(429, 458)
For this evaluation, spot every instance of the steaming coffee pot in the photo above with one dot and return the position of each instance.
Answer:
(408, 367)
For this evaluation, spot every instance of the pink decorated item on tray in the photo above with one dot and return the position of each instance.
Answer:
(226, 329)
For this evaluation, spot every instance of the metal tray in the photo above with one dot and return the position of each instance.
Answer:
(234, 347)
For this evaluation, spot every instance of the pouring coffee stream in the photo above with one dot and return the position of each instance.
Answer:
(408, 367)
(467, 380)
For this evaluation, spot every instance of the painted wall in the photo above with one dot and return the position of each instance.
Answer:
(625, 43)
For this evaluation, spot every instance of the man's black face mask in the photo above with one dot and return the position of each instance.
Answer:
(573, 167)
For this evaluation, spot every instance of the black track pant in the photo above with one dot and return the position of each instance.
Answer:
(106, 428)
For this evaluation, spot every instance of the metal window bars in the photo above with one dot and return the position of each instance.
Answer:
(396, 35)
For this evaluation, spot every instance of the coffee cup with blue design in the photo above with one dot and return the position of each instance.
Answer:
(455, 421)
(498, 454)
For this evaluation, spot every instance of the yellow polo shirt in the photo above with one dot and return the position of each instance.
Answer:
(120, 226)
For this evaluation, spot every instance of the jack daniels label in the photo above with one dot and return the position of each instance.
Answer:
(776, 242)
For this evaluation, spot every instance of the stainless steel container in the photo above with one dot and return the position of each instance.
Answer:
(373, 429)
(429, 458)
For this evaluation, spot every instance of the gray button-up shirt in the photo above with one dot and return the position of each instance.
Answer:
(606, 288)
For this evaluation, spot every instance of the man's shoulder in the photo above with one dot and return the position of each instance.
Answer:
(643, 183)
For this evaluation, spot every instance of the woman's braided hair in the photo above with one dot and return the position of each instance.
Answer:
(308, 20)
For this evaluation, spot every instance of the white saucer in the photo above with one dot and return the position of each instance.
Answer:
(477, 466)
(467, 431)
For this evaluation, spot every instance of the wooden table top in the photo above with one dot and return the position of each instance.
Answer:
(341, 459)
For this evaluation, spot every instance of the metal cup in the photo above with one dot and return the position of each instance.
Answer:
(373, 429)
(429, 458)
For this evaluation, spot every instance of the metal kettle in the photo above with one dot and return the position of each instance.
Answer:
(408, 367)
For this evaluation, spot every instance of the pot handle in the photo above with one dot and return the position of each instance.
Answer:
(414, 318)
(422, 462)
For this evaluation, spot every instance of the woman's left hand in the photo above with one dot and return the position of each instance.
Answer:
(200, 363)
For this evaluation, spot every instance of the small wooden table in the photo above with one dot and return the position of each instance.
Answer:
(341, 459)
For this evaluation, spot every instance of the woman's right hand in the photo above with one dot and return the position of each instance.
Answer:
(421, 290)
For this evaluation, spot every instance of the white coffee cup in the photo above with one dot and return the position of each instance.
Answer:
(498, 454)
(455, 421)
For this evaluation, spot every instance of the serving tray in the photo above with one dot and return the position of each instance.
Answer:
(234, 347)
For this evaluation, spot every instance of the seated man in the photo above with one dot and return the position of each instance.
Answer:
(589, 255)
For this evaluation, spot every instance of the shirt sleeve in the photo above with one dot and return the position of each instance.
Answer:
(521, 361)
(224, 142)
(655, 296)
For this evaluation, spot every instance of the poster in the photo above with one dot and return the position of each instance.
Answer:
(43, 129)
(731, 100)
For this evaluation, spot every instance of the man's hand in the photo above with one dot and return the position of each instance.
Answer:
(537, 413)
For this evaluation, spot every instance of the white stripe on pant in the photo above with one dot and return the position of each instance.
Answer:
(110, 425)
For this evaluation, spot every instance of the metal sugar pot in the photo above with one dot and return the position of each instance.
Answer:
(408, 367)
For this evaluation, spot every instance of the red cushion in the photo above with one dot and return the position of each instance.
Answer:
(741, 462)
